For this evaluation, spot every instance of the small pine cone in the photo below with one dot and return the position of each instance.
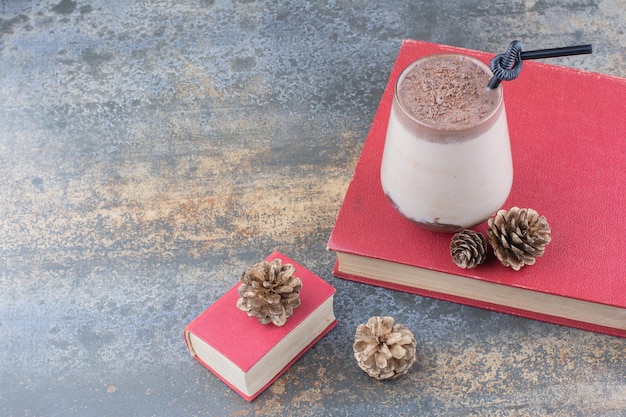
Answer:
(382, 349)
(269, 292)
(468, 248)
(518, 236)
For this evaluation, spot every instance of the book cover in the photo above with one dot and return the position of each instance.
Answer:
(568, 140)
(246, 349)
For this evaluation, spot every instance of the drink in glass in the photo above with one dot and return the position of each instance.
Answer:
(447, 160)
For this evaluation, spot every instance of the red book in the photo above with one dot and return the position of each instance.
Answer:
(249, 356)
(568, 139)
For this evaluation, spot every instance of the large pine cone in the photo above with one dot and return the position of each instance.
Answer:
(468, 248)
(382, 349)
(518, 236)
(269, 292)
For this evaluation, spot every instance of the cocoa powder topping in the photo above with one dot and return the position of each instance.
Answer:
(448, 92)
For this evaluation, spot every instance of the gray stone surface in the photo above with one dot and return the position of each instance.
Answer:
(151, 151)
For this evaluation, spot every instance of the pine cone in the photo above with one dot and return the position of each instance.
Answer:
(269, 292)
(382, 349)
(518, 236)
(468, 248)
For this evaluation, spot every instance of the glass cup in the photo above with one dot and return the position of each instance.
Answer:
(447, 158)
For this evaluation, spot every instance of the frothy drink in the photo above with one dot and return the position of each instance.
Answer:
(447, 159)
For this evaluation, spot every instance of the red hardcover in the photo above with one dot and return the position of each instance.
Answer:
(229, 330)
(568, 139)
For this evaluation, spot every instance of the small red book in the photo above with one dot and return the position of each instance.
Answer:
(249, 356)
(568, 139)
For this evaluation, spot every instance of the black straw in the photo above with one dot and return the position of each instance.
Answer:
(556, 52)
(540, 54)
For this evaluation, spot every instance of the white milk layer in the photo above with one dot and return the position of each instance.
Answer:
(437, 184)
